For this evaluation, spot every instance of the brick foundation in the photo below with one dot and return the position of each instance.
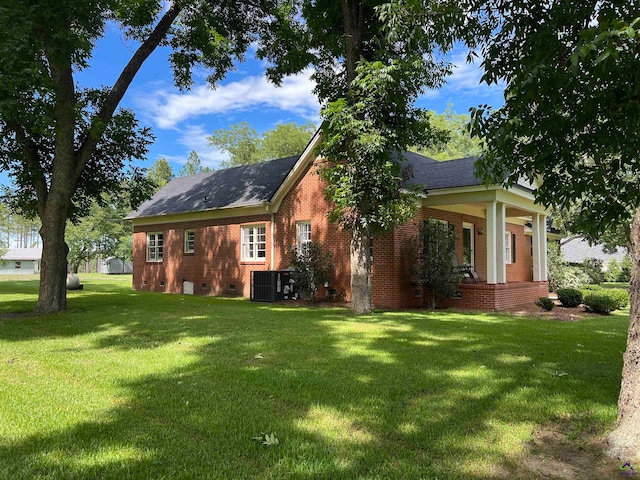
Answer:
(486, 297)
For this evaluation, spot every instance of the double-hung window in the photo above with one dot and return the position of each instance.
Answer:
(510, 247)
(189, 241)
(254, 243)
(303, 234)
(155, 243)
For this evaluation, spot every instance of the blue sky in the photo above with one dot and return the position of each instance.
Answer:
(181, 121)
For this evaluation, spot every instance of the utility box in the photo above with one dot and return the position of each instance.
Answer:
(272, 286)
(187, 288)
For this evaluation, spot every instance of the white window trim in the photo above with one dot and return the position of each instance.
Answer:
(254, 250)
(156, 247)
(508, 247)
(186, 242)
(299, 241)
(470, 226)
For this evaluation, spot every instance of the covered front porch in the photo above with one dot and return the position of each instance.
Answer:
(502, 235)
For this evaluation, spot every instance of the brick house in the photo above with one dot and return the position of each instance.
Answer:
(204, 234)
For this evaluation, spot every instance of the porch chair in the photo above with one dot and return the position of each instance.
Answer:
(467, 270)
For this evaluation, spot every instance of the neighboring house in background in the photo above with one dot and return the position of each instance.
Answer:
(577, 249)
(21, 261)
(114, 265)
(206, 233)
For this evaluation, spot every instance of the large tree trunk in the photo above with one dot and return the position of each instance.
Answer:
(69, 163)
(624, 441)
(360, 272)
(53, 267)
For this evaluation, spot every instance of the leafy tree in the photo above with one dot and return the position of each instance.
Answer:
(431, 255)
(245, 146)
(101, 233)
(193, 166)
(16, 230)
(285, 140)
(240, 141)
(460, 143)
(625, 269)
(160, 173)
(64, 144)
(371, 60)
(613, 271)
(571, 117)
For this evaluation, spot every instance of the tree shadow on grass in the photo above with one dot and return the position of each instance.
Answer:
(394, 395)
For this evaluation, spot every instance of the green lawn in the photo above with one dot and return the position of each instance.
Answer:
(140, 385)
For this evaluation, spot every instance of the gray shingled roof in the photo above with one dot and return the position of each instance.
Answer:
(257, 183)
(435, 175)
(576, 249)
(25, 254)
(232, 187)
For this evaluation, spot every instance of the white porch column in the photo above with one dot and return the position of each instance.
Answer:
(535, 242)
(542, 232)
(501, 230)
(492, 266)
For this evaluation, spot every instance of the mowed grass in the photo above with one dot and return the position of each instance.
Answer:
(141, 385)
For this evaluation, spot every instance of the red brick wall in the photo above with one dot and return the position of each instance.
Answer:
(390, 273)
(481, 296)
(306, 202)
(216, 260)
(215, 267)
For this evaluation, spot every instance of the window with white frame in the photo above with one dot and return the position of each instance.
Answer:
(18, 265)
(155, 243)
(510, 247)
(303, 233)
(254, 243)
(189, 241)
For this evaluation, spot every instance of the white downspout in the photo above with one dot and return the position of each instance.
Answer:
(273, 247)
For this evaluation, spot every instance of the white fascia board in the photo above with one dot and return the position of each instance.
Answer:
(212, 214)
(307, 157)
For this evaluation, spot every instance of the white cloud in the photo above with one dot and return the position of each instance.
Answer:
(466, 77)
(168, 109)
(194, 137)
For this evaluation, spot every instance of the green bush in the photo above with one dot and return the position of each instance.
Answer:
(621, 296)
(569, 297)
(600, 302)
(311, 266)
(545, 303)
(590, 288)
(562, 275)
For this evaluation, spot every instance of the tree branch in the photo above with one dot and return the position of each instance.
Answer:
(30, 153)
(103, 117)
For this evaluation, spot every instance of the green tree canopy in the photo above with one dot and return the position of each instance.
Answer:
(160, 173)
(245, 146)
(285, 140)
(572, 119)
(193, 166)
(459, 144)
(240, 141)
